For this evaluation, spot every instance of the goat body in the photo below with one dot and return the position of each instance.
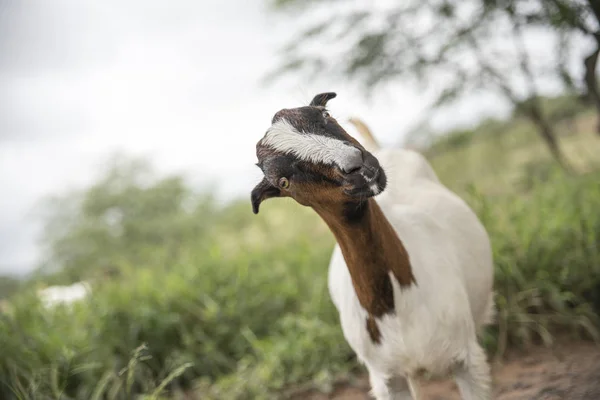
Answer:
(412, 273)
(434, 324)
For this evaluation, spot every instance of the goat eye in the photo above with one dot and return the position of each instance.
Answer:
(326, 114)
(284, 183)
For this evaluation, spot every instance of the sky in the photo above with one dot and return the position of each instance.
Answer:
(179, 82)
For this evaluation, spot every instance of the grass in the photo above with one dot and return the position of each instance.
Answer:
(500, 158)
(237, 307)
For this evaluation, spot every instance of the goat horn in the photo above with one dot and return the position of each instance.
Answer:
(322, 98)
(365, 132)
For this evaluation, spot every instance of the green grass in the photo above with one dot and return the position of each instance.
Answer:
(212, 310)
(237, 307)
(499, 158)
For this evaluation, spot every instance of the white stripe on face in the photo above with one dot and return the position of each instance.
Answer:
(283, 137)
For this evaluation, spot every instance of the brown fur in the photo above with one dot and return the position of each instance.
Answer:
(372, 250)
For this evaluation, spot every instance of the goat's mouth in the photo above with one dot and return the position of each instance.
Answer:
(365, 183)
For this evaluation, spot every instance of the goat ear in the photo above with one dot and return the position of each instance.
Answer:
(322, 98)
(263, 191)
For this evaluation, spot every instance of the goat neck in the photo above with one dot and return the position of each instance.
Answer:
(373, 252)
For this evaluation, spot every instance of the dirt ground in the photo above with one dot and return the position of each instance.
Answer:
(566, 372)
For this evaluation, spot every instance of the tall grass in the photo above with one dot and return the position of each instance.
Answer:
(210, 311)
(547, 258)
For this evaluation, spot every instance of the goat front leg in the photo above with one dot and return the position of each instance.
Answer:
(473, 376)
(394, 388)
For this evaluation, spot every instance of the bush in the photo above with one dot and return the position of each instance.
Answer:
(213, 312)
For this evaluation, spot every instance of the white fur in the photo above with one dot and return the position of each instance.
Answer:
(435, 324)
(283, 137)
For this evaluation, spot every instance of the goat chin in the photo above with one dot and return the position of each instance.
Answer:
(435, 322)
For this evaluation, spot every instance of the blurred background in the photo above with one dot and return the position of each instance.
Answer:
(130, 261)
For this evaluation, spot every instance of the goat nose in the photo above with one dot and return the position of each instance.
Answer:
(353, 162)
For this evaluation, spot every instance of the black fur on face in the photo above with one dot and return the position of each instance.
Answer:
(307, 183)
(314, 182)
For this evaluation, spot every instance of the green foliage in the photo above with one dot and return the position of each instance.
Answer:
(212, 312)
(8, 286)
(547, 258)
(502, 156)
(558, 109)
(452, 140)
(240, 308)
(118, 219)
(509, 135)
(225, 299)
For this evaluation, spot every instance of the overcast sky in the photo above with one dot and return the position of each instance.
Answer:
(178, 81)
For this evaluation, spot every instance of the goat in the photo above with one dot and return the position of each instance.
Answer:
(411, 275)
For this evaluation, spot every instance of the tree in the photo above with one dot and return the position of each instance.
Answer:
(129, 217)
(569, 18)
(457, 47)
